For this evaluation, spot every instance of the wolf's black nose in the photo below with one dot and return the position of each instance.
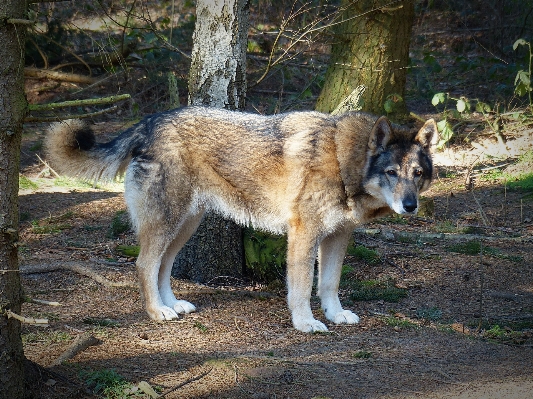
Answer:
(409, 205)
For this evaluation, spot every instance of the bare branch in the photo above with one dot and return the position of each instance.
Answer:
(58, 118)
(82, 342)
(198, 377)
(26, 320)
(82, 268)
(78, 103)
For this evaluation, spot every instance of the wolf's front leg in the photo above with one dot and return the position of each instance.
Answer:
(330, 257)
(301, 255)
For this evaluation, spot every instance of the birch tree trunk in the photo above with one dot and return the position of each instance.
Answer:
(371, 48)
(217, 78)
(12, 111)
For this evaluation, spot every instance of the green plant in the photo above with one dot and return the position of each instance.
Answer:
(48, 337)
(396, 219)
(129, 250)
(101, 322)
(522, 80)
(369, 290)
(362, 354)
(48, 228)
(27, 184)
(432, 313)
(462, 106)
(108, 384)
(363, 253)
(68, 182)
(393, 103)
(446, 226)
(398, 322)
(265, 254)
(203, 329)
(474, 247)
(466, 248)
(119, 225)
(503, 335)
(521, 177)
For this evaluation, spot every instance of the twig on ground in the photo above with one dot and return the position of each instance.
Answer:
(393, 264)
(44, 302)
(77, 267)
(82, 342)
(198, 377)
(26, 320)
(47, 166)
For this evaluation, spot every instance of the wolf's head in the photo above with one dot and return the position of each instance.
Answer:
(398, 165)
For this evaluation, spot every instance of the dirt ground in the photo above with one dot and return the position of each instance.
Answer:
(464, 330)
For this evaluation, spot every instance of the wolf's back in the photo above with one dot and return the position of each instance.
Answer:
(72, 150)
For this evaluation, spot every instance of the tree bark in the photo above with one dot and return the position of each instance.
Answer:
(371, 48)
(12, 111)
(217, 78)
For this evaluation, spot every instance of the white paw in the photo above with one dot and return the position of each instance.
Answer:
(345, 317)
(162, 313)
(310, 326)
(181, 306)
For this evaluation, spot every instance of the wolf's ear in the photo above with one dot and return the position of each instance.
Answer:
(380, 135)
(428, 135)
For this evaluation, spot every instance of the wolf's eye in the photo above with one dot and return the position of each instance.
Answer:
(418, 172)
(391, 172)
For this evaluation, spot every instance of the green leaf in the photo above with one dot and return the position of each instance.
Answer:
(432, 62)
(461, 105)
(523, 77)
(482, 107)
(129, 250)
(389, 106)
(446, 132)
(521, 89)
(438, 98)
(519, 42)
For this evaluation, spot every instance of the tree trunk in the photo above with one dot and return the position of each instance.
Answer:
(218, 79)
(12, 112)
(371, 48)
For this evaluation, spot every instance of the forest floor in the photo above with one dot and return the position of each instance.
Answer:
(438, 320)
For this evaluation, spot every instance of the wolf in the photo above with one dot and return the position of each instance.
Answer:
(310, 175)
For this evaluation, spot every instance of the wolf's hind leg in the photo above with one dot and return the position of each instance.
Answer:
(187, 229)
(331, 254)
(148, 266)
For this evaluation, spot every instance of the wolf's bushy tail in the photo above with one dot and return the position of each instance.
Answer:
(72, 150)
